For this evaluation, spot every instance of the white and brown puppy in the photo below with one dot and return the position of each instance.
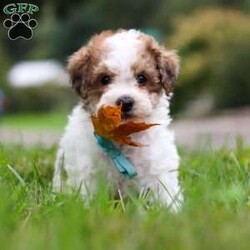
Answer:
(131, 68)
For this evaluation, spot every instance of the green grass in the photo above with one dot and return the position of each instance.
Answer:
(54, 120)
(216, 213)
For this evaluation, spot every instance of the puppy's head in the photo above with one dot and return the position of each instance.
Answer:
(126, 67)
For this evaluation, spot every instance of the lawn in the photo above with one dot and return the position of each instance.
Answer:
(216, 213)
(53, 120)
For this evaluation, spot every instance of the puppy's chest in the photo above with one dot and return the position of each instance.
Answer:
(141, 157)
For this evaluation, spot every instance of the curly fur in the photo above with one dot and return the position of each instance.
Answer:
(122, 55)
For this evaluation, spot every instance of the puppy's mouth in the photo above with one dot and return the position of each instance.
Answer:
(127, 116)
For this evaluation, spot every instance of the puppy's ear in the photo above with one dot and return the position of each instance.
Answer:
(168, 66)
(77, 68)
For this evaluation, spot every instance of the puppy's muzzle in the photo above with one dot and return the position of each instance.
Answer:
(127, 103)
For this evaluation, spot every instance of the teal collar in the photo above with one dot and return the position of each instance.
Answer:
(122, 164)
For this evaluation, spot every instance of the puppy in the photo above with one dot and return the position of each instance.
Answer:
(130, 68)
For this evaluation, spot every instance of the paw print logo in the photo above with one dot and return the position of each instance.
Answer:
(20, 26)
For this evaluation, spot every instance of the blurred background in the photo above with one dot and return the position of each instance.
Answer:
(211, 36)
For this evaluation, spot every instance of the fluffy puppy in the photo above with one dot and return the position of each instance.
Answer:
(131, 68)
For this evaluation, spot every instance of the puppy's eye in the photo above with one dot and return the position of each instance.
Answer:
(105, 79)
(141, 79)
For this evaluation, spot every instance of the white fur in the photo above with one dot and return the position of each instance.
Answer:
(124, 46)
(156, 164)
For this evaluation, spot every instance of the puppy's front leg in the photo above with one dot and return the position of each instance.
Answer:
(58, 180)
(69, 176)
(167, 190)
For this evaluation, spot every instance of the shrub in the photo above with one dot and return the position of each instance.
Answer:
(46, 98)
(214, 46)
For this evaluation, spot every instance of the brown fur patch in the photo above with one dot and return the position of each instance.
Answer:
(81, 67)
(147, 66)
(166, 61)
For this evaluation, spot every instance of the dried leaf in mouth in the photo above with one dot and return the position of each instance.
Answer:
(108, 123)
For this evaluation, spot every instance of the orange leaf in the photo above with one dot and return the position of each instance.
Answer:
(107, 123)
(132, 127)
(126, 140)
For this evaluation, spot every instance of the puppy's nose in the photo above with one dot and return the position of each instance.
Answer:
(127, 103)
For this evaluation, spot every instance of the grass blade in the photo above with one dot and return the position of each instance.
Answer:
(17, 175)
